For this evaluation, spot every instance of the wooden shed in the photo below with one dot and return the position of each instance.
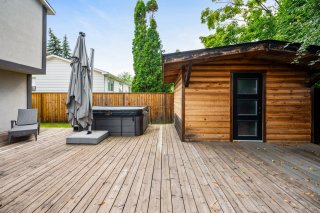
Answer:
(251, 91)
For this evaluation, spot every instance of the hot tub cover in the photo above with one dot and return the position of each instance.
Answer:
(120, 110)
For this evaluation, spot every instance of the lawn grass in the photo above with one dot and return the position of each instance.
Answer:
(55, 125)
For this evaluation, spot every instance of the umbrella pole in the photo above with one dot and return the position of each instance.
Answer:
(91, 83)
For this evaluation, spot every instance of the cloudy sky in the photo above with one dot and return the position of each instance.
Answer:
(109, 27)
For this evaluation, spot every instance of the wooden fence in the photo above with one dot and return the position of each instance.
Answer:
(52, 106)
(316, 115)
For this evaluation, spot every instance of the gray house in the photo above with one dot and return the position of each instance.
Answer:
(22, 53)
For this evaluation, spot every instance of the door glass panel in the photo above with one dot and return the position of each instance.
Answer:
(247, 107)
(247, 86)
(247, 128)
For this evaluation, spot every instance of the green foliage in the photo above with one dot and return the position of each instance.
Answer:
(66, 51)
(238, 21)
(55, 125)
(126, 76)
(152, 6)
(54, 44)
(147, 52)
(152, 81)
(139, 40)
(299, 21)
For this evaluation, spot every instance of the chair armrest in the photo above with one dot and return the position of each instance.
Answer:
(13, 123)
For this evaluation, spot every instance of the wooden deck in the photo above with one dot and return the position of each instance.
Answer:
(156, 172)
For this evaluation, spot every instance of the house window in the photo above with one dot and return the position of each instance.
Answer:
(120, 87)
(111, 85)
(34, 87)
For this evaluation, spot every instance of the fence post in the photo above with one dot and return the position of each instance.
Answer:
(41, 107)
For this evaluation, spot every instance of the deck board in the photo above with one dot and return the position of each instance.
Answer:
(156, 172)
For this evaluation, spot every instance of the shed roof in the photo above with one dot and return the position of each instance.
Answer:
(280, 52)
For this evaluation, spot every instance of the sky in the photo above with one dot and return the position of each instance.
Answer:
(109, 27)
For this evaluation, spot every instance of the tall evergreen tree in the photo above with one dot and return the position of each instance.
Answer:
(138, 43)
(54, 44)
(152, 6)
(66, 51)
(147, 54)
(153, 55)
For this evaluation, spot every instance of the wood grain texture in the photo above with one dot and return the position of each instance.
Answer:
(178, 92)
(178, 97)
(156, 172)
(207, 101)
(287, 106)
(52, 106)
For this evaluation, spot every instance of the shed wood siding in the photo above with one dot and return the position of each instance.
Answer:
(288, 106)
(208, 101)
(207, 104)
(178, 105)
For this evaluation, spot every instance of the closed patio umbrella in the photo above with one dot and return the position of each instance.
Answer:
(79, 99)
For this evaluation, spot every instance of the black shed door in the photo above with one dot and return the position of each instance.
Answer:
(247, 106)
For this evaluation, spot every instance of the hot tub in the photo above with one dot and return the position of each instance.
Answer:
(121, 121)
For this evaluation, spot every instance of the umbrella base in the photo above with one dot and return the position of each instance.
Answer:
(83, 138)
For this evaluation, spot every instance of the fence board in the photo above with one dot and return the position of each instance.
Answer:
(316, 115)
(52, 108)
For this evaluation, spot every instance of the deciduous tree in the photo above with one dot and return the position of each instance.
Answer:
(126, 76)
(237, 21)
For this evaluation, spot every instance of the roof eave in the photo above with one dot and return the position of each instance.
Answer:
(243, 47)
(173, 61)
(50, 10)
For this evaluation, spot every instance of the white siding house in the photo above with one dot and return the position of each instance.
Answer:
(23, 28)
(58, 76)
